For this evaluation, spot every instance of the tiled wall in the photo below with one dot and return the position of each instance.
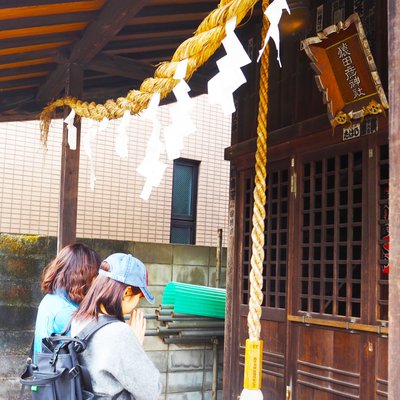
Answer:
(30, 176)
(186, 369)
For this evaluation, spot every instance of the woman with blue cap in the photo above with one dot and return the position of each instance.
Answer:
(118, 365)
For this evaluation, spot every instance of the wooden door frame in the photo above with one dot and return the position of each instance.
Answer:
(242, 160)
(371, 143)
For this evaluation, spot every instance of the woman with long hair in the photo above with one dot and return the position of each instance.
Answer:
(65, 281)
(118, 366)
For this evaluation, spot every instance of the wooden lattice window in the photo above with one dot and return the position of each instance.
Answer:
(276, 239)
(331, 236)
(383, 283)
(247, 226)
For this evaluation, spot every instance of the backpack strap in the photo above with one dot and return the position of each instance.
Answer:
(93, 326)
(84, 335)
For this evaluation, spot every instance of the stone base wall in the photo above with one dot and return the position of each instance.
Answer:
(186, 369)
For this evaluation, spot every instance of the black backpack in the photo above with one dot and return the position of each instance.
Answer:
(57, 374)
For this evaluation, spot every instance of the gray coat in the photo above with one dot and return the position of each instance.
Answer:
(118, 365)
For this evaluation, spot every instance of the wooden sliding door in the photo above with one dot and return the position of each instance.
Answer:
(325, 282)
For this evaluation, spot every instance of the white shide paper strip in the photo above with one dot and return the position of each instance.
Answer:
(87, 140)
(230, 76)
(72, 131)
(180, 112)
(151, 167)
(122, 139)
(274, 14)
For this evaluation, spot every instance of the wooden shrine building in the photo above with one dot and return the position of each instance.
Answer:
(330, 288)
(326, 274)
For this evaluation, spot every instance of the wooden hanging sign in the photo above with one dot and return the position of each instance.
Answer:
(346, 73)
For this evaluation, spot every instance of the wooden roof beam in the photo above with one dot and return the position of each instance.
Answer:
(113, 17)
(25, 63)
(49, 9)
(26, 83)
(41, 30)
(133, 69)
(168, 18)
(13, 102)
(162, 2)
(184, 33)
(136, 70)
(23, 50)
(120, 66)
(169, 45)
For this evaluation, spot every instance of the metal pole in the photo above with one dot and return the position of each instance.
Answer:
(218, 259)
(201, 332)
(214, 389)
(195, 324)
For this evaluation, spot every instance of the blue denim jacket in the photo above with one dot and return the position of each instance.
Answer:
(54, 313)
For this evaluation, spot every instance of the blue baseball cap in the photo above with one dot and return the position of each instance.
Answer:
(129, 270)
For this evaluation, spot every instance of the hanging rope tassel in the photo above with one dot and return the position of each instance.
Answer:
(254, 346)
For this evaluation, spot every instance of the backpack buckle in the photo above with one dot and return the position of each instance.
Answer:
(74, 372)
(79, 345)
(54, 357)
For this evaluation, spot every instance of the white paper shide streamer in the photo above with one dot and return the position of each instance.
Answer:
(274, 14)
(180, 113)
(122, 139)
(151, 167)
(72, 131)
(87, 141)
(103, 124)
(230, 76)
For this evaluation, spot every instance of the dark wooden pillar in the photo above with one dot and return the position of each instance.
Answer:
(394, 197)
(69, 167)
(231, 293)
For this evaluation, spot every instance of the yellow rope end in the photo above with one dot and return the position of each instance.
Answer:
(253, 364)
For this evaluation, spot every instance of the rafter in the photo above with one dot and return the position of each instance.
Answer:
(32, 48)
(15, 101)
(168, 18)
(133, 69)
(120, 66)
(113, 17)
(49, 9)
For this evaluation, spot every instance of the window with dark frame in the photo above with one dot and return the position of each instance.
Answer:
(333, 204)
(276, 239)
(331, 248)
(184, 201)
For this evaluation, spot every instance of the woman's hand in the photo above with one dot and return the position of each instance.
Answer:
(138, 324)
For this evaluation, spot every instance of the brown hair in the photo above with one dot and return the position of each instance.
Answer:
(73, 270)
(107, 292)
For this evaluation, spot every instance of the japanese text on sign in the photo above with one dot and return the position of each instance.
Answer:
(350, 70)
